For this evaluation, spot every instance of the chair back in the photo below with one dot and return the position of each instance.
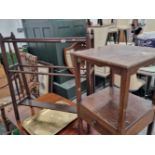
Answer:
(106, 21)
(100, 36)
(67, 54)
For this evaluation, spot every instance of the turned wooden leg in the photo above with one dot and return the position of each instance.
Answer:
(5, 119)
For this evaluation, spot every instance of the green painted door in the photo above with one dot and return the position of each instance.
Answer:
(45, 28)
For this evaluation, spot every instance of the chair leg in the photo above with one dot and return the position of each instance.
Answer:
(84, 128)
(5, 120)
(88, 129)
(104, 82)
(115, 37)
(126, 37)
(150, 128)
(80, 126)
(118, 39)
(107, 39)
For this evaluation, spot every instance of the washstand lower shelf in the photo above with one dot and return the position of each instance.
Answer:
(101, 111)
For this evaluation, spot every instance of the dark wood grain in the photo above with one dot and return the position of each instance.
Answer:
(118, 55)
(113, 111)
(104, 108)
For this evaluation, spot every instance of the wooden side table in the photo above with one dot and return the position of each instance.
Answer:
(113, 110)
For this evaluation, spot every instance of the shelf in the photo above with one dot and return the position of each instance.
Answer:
(103, 107)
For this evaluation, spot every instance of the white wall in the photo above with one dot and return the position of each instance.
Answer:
(10, 25)
(150, 25)
(125, 22)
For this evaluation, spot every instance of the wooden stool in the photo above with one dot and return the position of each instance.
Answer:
(124, 30)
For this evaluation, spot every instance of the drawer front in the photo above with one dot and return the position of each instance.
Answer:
(94, 122)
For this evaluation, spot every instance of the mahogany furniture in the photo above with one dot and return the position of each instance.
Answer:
(64, 109)
(113, 110)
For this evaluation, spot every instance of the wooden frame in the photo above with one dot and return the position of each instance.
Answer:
(24, 97)
(67, 56)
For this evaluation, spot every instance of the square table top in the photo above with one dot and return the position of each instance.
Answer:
(118, 56)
